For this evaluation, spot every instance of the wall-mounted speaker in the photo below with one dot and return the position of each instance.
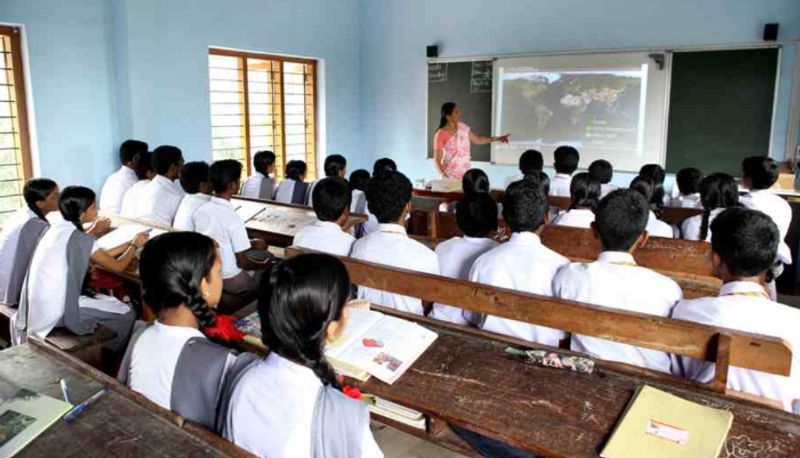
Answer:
(432, 51)
(771, 32)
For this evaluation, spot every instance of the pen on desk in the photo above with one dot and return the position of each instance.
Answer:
(80, 408)
(65, 390)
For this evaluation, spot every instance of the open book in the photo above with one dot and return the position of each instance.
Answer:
(25, 416)
(125, 234)
(248, 210)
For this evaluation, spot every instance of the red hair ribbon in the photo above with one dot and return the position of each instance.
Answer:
(225, 329)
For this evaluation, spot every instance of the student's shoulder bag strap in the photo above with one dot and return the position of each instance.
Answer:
(19, 323)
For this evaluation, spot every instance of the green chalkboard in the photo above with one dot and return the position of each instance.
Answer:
(720, 108)
(469, 85)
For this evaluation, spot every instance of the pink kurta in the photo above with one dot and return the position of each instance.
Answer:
(456, 150)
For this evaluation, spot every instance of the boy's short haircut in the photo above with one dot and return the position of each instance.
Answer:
(745, 240)
(223, 173)
(763, 171)
(263, 160)
(129, 149)
(541, 179)
(194, 174)
(387, 195)
(359, 179)
(525, 206)
(566, 159)
(602, 171)
(295, 170)
(688, 180)
(530, 161)
(621, 217)
(164, 157)
(383, 165)
(334, 164)
(331, 197)
(143, 164)
(477, 215)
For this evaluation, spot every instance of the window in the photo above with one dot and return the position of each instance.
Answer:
(263, 102)
(15, 159)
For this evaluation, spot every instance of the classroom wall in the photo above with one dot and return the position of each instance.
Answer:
(395, 33)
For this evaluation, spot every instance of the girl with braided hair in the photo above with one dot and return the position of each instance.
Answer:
(718, 192)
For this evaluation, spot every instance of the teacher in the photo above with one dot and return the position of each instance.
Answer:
(451, 144)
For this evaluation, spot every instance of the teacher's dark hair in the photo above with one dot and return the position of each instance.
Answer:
(73, 202)
(37, 190)
(447, 110)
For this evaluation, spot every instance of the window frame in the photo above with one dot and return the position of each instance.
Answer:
(14, 34)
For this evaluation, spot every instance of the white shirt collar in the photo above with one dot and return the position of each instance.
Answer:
(742, 288)
(617, 257)
(166, 182)
(301, 373)
(392, 228)
(330, 225)
(524, 238)
(563, 175)
(223, 202)
(125, 170)
(177, 330)
(475, 240)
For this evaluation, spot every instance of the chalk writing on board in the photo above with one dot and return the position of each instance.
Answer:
(437, 73)
(481, 77)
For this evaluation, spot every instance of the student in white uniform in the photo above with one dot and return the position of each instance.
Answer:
(293, 189)
(718, 191)
(143, 165)
(261, 185)
(657, 175)
(615, 281)
(744, 245)
(585, 193)
(332, 206)
(118, 183)
(566, 162)
(603, 172)
(335, 166)
(21, 233)
(197, 186)
(522, 263)
(655, 227)
(55, 295)
(359, 180)
(161, 197)
(289, 404)
(389, 197)
(688, 181)
(530, 162)
(477, 218)
(218, 220)
(381, 166)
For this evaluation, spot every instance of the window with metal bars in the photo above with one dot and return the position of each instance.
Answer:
(15, 158)
(262, 102)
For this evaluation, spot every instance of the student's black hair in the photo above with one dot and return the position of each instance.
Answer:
(688, 180)
(566, 159)
(334, 165)
(331, 197)
(297, 301)
(602, 171)
(584, 191)
(718, 190)
(383, 165)
(762, 171)
(263, 160)
(73, 202)
(359, 179)
(525, 206)
(296, 169)
(645, 187)
(387, 195)
(447, 110)
(193, 174)
(657, 175)
(222, 173)
(172, 266)
(745, 240)
(530, 161)
(541, 179)
(164, 157)
(129, 149)
(477, 215)
(475, 181)
(37, 190)
(143, 164)
(621, 217)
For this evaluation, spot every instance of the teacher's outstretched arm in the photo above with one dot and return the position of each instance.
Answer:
(480, 140)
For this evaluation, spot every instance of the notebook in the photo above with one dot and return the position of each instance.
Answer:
(24, 417)
(661, 425)
(125, 234)
(396, 412)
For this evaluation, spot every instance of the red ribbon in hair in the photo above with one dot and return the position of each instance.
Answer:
(225, 329)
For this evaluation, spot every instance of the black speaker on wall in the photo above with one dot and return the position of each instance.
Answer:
(771, 31)
(432, 51)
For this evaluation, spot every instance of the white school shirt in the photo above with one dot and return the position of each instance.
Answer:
(690, 228)
(326, 237)
(154, 358)
(358, 201)
(523, 264)
(132, 202)
(218, 220)
(559, 185)
(615, 281)
(272, 411)
(9, 240)
(190, 203)
(606, 189)
(744, 306)
(390, 245)
(577, 217)
(159, 200)
(252, 187)
(658, 228)
(456, 257)
(114, 189)
(780, 211)
(686, 201)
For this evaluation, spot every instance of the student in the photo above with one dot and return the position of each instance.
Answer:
(688, 181)
(475, 182)
(522, 263)
(332, 205)
(744, 245)
(389, 197)
(477, 218)
(218, 220)
(585, 192)
(602, 171)
(197, 186)
(132, 201)
(566, 162)
(289, 404)
(615, 281)
(120, 181)
(55, 294)
(261, 185)
(530, 161)
(161, 197)
(335, 166)
(718, 191)
(381, 166)
(359, 180)
(20, 234)
(655, 227)
(293, 189)
(170, 361)
(657, 175)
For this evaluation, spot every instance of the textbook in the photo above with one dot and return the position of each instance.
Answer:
(657, 424)
(125, 234)
(396, 412)
(24, 417)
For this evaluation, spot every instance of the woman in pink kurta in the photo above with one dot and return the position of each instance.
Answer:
(451, 144)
